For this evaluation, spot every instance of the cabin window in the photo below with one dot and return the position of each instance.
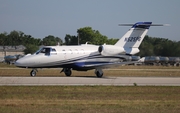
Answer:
(71, 51)
(82, 50)
(76, 51)
(64, 51)
(53, 51)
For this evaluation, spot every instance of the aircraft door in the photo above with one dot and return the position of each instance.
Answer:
(47, 51)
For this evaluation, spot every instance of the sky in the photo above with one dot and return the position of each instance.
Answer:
(40, 18)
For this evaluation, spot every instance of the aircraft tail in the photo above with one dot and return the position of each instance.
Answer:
(133, 38)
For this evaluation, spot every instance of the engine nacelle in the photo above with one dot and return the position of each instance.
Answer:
(109, 50)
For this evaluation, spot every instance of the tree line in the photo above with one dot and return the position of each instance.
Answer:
(151, 46)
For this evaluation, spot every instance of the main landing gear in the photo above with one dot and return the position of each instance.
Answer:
(99, 72)
(67, 71)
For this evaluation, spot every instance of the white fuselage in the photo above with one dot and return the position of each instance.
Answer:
(76, 57)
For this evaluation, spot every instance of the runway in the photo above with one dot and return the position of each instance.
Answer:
(79, 81)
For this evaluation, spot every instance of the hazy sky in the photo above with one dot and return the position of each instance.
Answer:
(40, 18)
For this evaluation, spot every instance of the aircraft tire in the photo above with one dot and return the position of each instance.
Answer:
(99, 75)
(68, 72)
(33, 73)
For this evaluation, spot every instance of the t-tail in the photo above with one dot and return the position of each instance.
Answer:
(134, 37)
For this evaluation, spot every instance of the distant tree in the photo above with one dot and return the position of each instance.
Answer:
(58, 40)
(149, 47)
(31, 49)
(71, 40)
(28, 39)
(3, 39)
(146, 49)
(87, 34)
(15, 38)
(51, 40)
(153, 46)
(111, 41)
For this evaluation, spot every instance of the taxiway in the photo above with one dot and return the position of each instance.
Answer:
(79, 81)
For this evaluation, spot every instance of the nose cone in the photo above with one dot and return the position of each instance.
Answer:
(19, 63)
(24, 61)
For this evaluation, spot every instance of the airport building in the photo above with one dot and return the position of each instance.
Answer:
(11, 50)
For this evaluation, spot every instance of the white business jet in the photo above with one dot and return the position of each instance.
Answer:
(87, 57)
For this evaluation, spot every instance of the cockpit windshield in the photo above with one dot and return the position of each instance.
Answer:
(46, 51)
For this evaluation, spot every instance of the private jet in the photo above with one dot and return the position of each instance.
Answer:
(86, 56)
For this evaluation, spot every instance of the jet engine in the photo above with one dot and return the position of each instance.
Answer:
(109, 50)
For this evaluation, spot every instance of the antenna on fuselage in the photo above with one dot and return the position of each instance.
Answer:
(58, 44)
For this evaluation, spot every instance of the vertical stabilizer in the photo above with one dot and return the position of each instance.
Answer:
(133, 38)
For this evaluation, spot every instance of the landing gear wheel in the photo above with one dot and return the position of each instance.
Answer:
(98, 74)
(33, 73)
(67, 72)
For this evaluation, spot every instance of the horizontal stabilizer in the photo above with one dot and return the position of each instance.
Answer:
(144, 24)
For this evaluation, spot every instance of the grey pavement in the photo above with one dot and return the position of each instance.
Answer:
(79, 81)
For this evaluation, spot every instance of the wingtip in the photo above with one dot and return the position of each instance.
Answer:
(167, 24)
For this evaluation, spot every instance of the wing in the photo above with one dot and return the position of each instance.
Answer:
(108, 65)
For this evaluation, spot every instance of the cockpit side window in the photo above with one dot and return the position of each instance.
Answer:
(39, 51)
(45, 51)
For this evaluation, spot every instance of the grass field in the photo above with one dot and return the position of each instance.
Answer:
(159, 71)
(89, 99)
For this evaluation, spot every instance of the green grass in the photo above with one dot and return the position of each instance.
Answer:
(91, 99)
(4, 65)
(88, 99)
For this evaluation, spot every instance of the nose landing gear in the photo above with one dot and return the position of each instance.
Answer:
(33, 72)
